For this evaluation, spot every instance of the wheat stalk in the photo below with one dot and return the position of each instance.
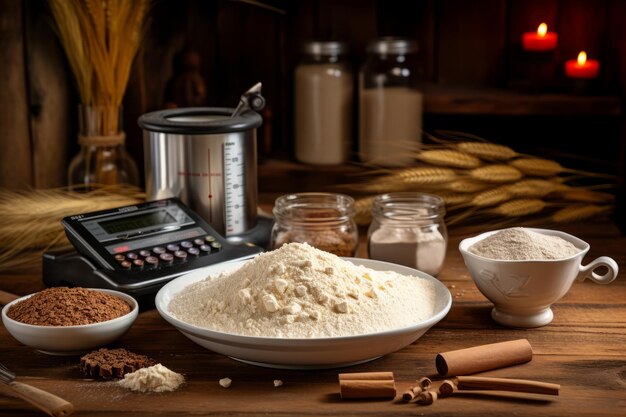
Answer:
(496, 173)
(534, 188)
(406, 178)
(452, 199)
(579, 212)
(465, 185)
(487, 151)
(363, 211)
(547, 168)
(520, 207)
(585, 196)
(30, 221)
(491, 197)
(449, 158)
(100, 39)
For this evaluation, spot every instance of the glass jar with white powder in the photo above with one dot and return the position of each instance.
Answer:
(323, 220)
(409, 229)
(390, 103)
(323, 104)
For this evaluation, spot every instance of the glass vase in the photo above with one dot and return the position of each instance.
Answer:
(102, 159)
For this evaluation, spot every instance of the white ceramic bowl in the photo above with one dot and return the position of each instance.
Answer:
(313, 353)
(71, 340)
(522, 291)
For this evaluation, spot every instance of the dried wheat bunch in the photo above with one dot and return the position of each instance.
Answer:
(100, 39)
(30, 221)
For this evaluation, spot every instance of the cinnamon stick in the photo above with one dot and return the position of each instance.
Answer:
(447, 388)
(483, 358)
(427, 397)
(411, 393)
(366, 376)
(381, 388)
(506, 384)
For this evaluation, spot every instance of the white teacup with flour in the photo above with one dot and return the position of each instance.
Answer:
(537, 270)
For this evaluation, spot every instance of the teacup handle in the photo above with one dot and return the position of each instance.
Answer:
(587, 270)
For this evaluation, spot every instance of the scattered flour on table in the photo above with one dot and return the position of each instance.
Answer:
(155, 378)
(519, 244)
(298, 291)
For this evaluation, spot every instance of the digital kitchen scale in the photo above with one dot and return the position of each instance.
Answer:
(137, 249)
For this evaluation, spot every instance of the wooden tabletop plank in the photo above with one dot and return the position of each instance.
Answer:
(583, 349)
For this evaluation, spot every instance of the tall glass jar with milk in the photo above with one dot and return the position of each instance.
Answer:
(323, 104)
(390, 103)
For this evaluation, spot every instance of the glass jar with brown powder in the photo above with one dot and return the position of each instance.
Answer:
(323, 220)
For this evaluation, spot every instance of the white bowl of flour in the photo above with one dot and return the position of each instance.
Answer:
(522, 271)
(301, 308)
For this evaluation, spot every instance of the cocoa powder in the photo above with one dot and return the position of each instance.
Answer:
(62, 306)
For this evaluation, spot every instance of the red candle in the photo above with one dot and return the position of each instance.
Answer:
(539, 41)
(582, 67)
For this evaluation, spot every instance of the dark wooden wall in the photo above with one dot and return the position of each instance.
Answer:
(463, 44)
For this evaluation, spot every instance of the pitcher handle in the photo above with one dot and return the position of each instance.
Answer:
(587, 270)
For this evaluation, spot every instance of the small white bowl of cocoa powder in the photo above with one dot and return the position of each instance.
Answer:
(69, 321)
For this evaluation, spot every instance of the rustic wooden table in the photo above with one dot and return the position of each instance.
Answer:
(583, 349)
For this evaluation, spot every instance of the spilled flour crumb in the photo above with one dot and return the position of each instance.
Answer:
(298, 291)
(155, 378)
(519, 244)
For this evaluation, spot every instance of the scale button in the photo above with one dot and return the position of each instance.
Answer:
(216, 245)
(120, 258)
(172, 247)
(209, 238)
(198, 242)
(132, 256)
(153, 260)
(180, 254)
(166, 257)
(193, 251)
(138, 262)
(186, 244)
(126, 264)
(145, 253)
(159, 250)
(205, 248)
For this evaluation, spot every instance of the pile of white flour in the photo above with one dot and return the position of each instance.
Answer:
(298, 291)
(155, 378)
(519, 244)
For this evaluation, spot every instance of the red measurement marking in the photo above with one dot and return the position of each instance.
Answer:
(210, 193)
(121, 249)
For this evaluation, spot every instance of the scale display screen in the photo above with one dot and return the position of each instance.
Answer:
(139, 221)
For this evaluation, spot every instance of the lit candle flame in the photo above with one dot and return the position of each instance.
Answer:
(542, 30)
(582, 58)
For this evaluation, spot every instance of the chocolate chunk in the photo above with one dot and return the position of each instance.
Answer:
(113, 363)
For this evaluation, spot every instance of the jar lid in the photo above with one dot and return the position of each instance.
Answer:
(402, 207)
(314, 208)
(390, 45)
(325, 48)
(199, 120)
